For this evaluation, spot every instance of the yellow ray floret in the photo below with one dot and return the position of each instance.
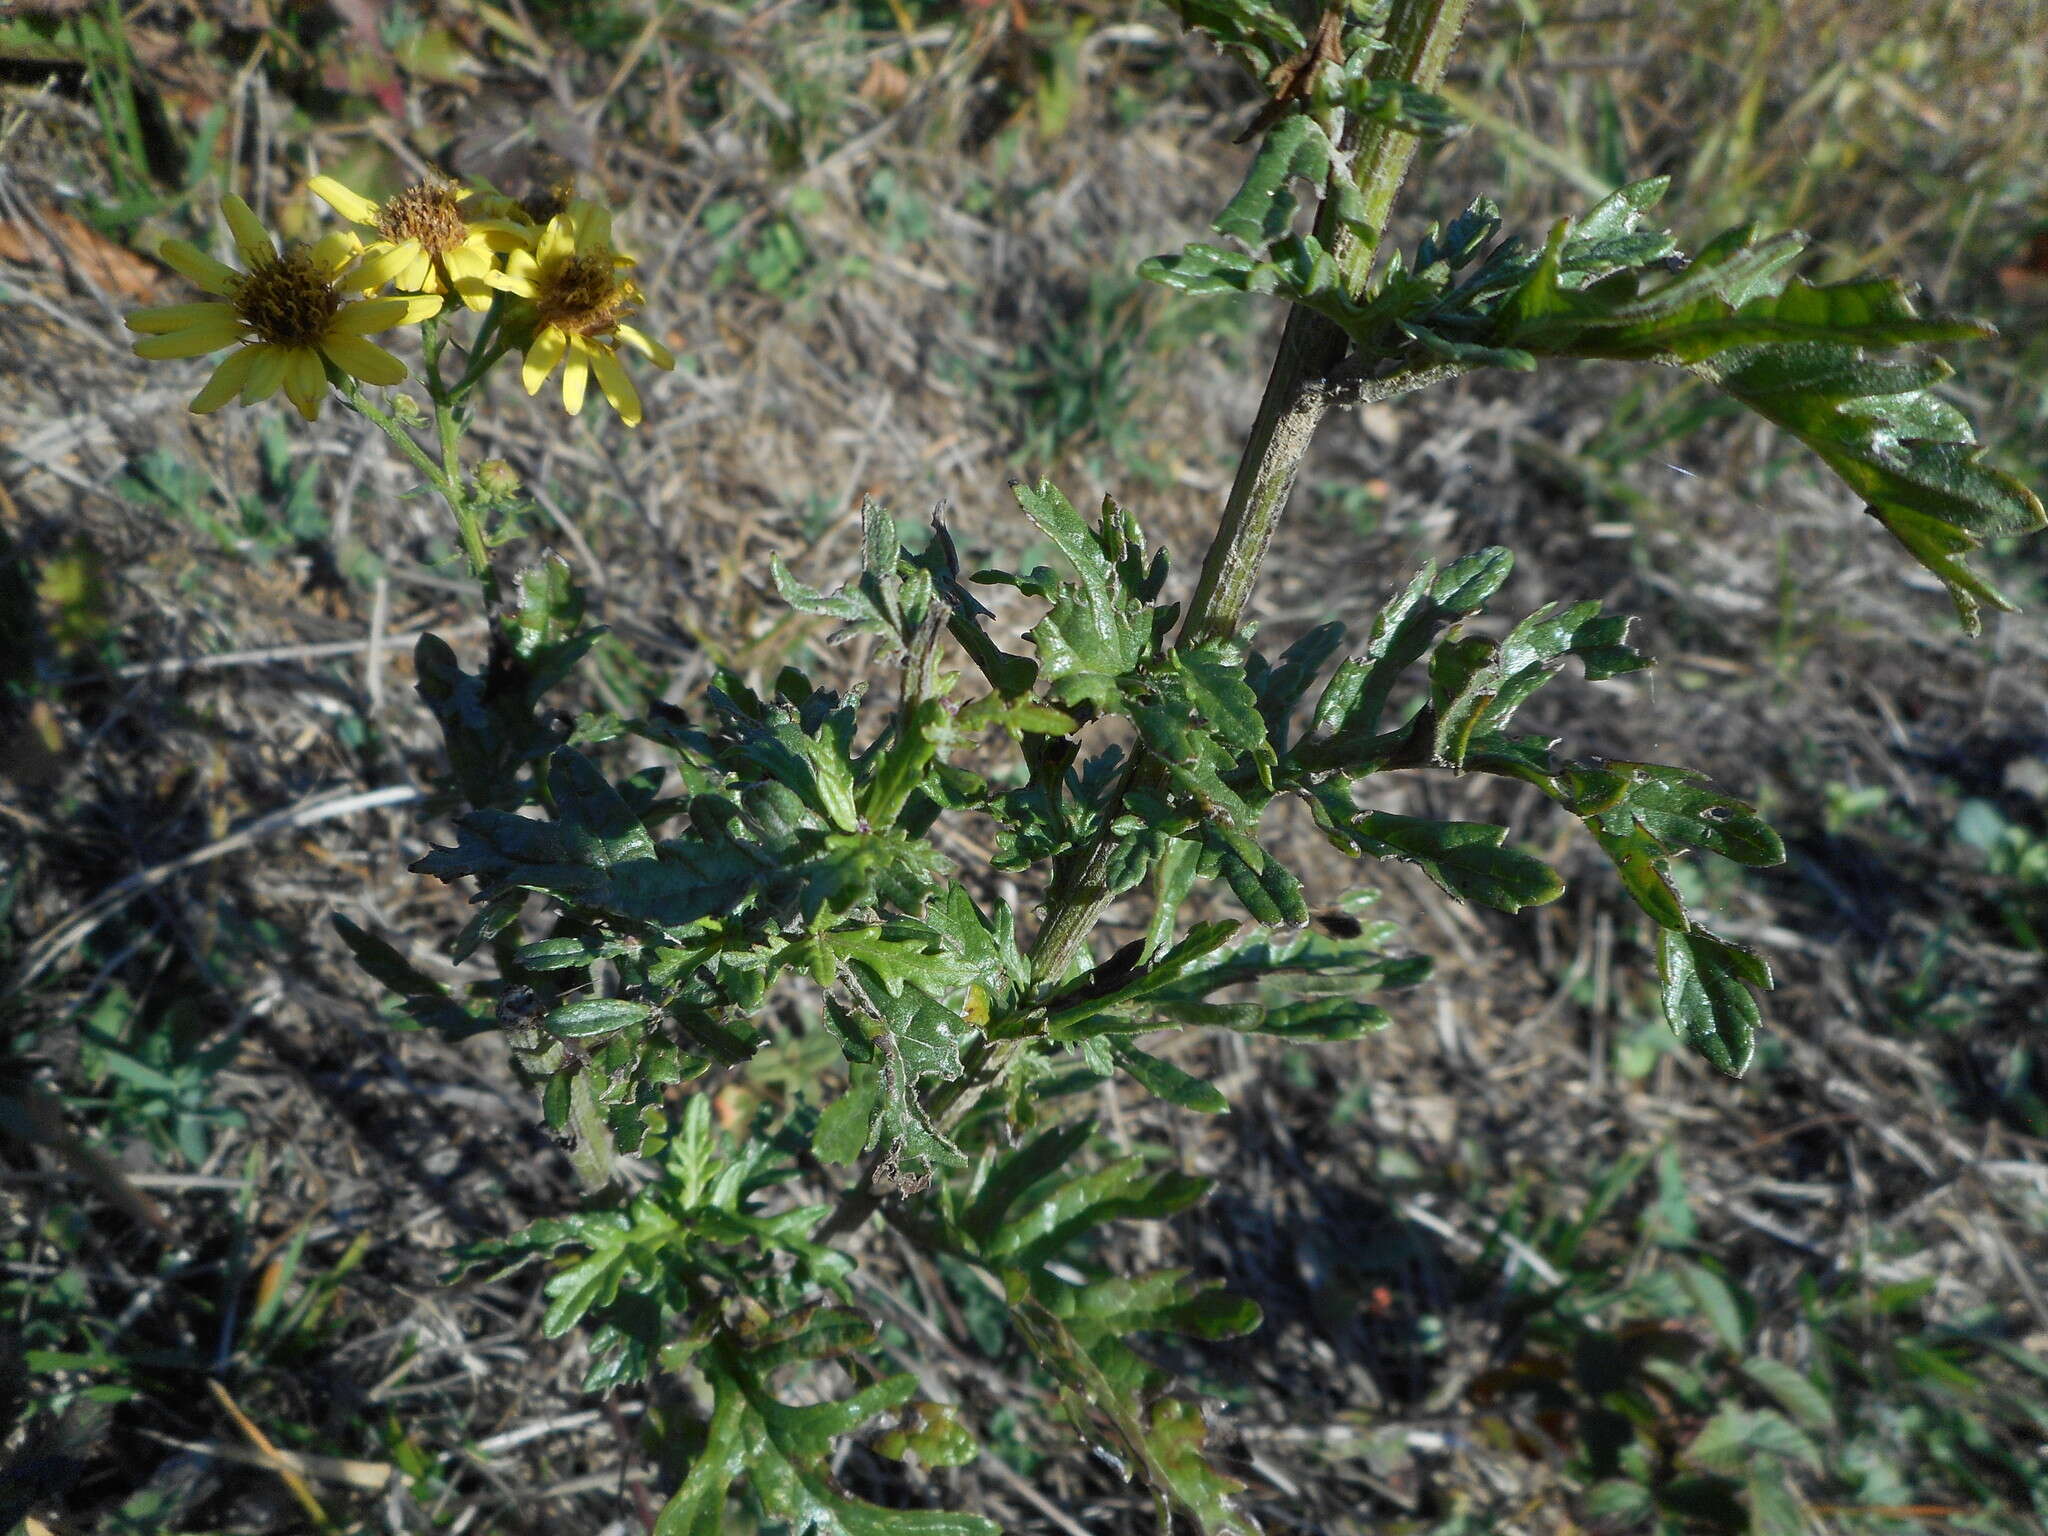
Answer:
(424, 243)
(288, 316)
(580, 302)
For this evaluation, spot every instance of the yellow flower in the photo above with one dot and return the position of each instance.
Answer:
(423, 244)
(287, 317)
(580, 304)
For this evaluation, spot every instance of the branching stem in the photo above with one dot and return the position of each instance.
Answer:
(1301, 389)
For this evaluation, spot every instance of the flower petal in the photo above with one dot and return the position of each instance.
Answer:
(618, 389)
(214, 276)
(176, 317)
(250, 235)
(379, 266)
(193, 342)
(333, 252)
(418, 274)
(353, 206)
(266, 372)
(647, 347)
(557, 242)
(364, 360)
(541, 358)
(470, 259)
(305, 381)
(502, 234)
(512, 283)
(575, 375)
(228, 375)
(367, 315)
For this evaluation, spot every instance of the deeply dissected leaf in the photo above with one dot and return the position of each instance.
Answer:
(1797, 353)
(1264, 209)
(1114, 1399)
(1099, 627)
(1257, 30)
(785, 1454)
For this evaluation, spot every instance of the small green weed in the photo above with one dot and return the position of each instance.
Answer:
(282, 514)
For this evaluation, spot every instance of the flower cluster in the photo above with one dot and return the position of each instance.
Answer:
(298, 317)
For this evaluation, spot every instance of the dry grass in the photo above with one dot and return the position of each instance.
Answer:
(946, 218)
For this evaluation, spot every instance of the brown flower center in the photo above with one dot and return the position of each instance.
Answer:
(584, 296)
(427, 213)
(288, 301)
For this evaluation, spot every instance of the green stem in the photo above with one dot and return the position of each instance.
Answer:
(1300, 391)
(490, 345)
(446, 478)
(391, 429)
(1420, 34)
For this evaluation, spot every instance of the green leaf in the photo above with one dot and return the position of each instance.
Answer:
(1061, 1206)
(594, 1016)
(1205, 270)
(1099, 628)
(427, 1002)
(1909, 456)
(1039, 1158)
(1716, 1299)
(844, 1128)
(1774, 1510)
(1795, 352)
(1708, 988)
(926, 1033)
(1349, 711)
(1464, 857)
(1115, 1401)
(850, 606)
(1323, 1018)
(1794, 1392)
(1214, 674)
(592, 1283)
(786, 1454)
(1267, 889)
(698, 1506)
(1264, 208)
(1256, 29)
(1674, 807)
(1280, 688)
(1166, 1081)
(1735, 1437)
(933, 1434)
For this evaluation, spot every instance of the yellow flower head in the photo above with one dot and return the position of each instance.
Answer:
(424, 244)
(580, 305)
(287, 317)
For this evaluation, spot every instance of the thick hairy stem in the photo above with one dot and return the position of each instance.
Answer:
(1300, 391)
(1420, 36)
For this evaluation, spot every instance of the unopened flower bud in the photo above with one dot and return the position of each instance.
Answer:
(496, 478)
